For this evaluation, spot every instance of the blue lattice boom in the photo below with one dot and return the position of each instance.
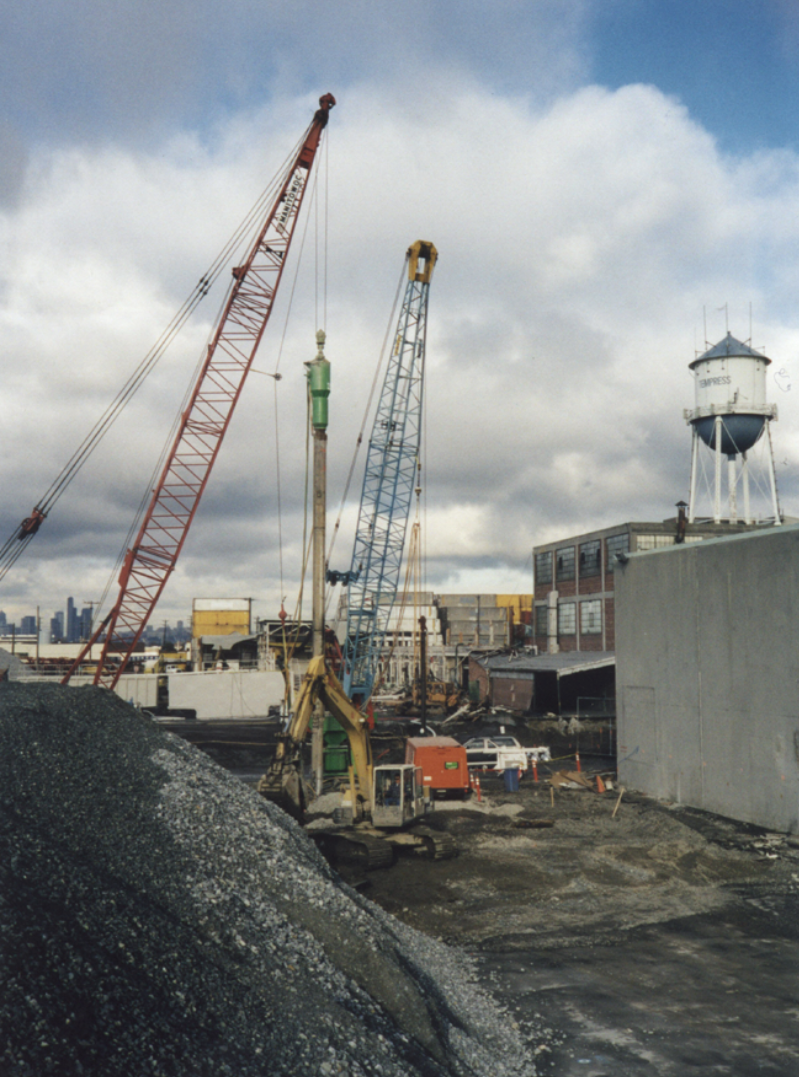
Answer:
(389, 481)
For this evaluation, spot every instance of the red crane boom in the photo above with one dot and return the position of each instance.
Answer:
(149, 563)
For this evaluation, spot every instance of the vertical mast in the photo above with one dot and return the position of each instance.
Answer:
(319, 387)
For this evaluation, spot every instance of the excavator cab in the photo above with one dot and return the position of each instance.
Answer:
(381, 801)
(398, 796)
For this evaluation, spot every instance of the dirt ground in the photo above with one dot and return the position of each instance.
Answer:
(588, 875)
(660, 941)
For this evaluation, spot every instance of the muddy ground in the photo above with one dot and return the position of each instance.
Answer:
(659, 941)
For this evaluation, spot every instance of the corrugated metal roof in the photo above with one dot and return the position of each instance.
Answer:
(563, 663)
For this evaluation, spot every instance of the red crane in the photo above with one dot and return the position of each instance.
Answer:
(149, 562)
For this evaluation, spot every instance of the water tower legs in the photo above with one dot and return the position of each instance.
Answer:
(731, 483)
(745, 484)
(735, 474)
(694, 466)
(772, 474)
(717, 493)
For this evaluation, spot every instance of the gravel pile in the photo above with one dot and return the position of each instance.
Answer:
(158, 917)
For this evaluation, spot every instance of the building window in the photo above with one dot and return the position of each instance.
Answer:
(543, 567)
(614, 545)
(566, 619)
(590, 617)
(590, 558)
(653, 542)
(565, 561)
(541, 620)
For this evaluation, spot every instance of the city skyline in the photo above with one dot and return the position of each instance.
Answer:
(72, 625)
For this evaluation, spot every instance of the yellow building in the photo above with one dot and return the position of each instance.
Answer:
(220, 616)
(517, 603)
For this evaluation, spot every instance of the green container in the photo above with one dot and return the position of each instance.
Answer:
(336, 760)
(333, 730)
(336, 751)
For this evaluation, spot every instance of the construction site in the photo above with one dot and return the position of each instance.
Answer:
(416, 832)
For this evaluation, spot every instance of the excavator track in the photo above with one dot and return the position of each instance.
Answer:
(357, 850)
(436, 846)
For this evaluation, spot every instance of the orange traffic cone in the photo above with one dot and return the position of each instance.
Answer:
(600, 785)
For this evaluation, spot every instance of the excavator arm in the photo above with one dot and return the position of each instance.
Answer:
(283, 782)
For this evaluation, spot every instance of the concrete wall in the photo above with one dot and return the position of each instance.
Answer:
(228, 694)
(140, 689)
(708, 675)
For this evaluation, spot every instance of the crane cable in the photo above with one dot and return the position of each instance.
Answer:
(290, 647)
(241, 238)
(359, 440)
(288, 650)
(277, 376)
(20, 538)
(192, 382)
(156, 471)
(412, 574)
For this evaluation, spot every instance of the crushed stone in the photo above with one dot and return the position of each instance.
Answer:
(157, 917)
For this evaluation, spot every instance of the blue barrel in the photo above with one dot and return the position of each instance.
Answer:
(511, 779)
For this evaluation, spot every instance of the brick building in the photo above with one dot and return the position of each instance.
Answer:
(573, 605)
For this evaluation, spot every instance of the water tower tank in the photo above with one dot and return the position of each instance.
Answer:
(730, 381)
(730, 415)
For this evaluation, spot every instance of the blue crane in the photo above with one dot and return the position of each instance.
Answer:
(389, 480)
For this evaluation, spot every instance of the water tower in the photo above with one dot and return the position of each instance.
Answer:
(731, 415)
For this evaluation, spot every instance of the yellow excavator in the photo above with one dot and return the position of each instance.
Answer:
(378, 803)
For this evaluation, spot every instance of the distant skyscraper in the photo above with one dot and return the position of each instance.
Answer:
(86, 623)
(28, 626)
(57, 627)
(73, 629)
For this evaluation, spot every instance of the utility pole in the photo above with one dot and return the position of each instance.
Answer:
(319, 384)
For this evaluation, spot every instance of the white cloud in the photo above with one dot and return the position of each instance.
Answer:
(578, 243)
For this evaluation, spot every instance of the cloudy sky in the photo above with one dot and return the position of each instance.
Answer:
(603, 179)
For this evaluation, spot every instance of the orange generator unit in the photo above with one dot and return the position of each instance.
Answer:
(442, 761)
